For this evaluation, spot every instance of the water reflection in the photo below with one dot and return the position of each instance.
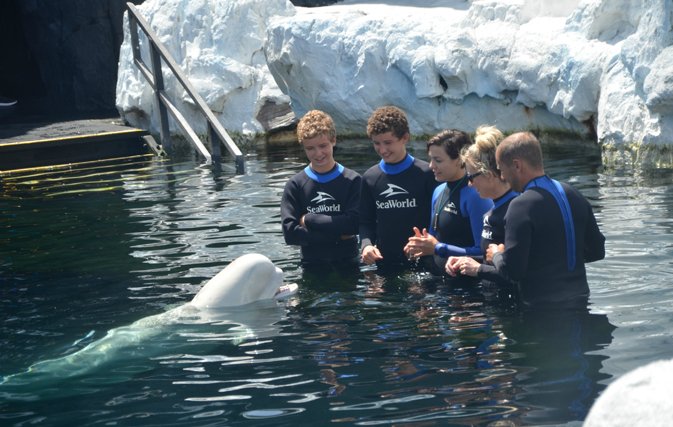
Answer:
(78, 260)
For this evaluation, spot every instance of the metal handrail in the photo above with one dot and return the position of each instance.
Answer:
(216, 132)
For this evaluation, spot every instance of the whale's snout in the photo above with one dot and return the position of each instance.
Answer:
(249, 278)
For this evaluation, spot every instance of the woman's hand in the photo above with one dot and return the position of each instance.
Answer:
(420, 244)
(452, 267)
(492, 249)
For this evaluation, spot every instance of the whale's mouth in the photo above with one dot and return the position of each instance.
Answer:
(286, 291)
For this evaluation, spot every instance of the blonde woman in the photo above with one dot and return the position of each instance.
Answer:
(483, 175)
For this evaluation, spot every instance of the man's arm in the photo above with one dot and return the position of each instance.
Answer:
(594, 240)
(512, 263)
(367, 207)
(291, 213)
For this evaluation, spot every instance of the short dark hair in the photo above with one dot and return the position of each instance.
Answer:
(388, 119)
(452, 140)
(523, 146)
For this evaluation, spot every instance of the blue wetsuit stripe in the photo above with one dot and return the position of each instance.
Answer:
(554, 187)
(326, 177)
(397, 168)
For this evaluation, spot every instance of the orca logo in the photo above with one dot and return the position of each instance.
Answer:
(322, 197)
(393, 190)
(486, 223)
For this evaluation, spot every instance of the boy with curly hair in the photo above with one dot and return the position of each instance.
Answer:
(319, 207)
(396, 193)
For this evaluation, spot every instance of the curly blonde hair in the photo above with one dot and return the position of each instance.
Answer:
(388, 119)
(315, 123)
(481, 154)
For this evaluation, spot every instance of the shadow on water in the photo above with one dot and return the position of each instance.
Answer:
(89, 250)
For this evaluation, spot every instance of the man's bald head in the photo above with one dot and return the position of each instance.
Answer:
(523, 146)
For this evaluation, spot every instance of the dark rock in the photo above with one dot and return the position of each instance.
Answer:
(313, 3)
(274, 117)
(74, 47)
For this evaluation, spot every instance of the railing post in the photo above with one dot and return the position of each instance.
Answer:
(164, 129)
(216, 133)
(215, 150)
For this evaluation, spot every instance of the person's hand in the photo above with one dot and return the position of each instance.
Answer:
(347, 236)
(421, 244)
(407, 248)
(301, 221)
(452, 266)
(468, 266)
(492, 249)
(371, 254)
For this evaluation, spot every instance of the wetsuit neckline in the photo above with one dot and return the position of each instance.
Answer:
(324, 177)
(395, 168)
(497, 202)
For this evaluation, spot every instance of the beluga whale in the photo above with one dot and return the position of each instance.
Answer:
(242, 298)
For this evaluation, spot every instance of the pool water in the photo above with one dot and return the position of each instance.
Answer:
(94, 248)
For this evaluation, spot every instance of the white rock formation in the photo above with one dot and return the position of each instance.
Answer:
(603, 67)
(219, 46)
(640, 398)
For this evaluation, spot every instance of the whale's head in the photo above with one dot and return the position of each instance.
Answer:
(249, 278)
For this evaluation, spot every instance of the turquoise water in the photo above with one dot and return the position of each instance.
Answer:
(86, 250)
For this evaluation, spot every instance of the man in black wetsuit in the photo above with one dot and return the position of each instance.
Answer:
(550, 230)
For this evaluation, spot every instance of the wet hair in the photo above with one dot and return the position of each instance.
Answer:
(523, 146)
(482, 153)
(452, 140)
(314, 124)
(388, 119)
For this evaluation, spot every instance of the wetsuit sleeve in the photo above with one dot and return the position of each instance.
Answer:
(367, 226)
(594, 240)
(513, 263)
(344, 224)
(291, 213)
(488, 272)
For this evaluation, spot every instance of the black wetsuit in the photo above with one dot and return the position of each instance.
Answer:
(548, 270)
(493, 231)
(456, 221)
(330, 202)
(394, 199)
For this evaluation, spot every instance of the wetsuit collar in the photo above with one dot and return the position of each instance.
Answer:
(324, 177)
(504, 198)
(395, 168)
(554, 187)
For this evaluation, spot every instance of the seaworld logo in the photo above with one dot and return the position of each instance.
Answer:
(322, 197)
(393, 190)
(396, 204)
(486, 232)
(451, 208)
(324, 208)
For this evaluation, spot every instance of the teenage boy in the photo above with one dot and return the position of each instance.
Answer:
(319, 207)
(396, 193)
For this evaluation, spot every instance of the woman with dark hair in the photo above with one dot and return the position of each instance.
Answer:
(457, 210)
